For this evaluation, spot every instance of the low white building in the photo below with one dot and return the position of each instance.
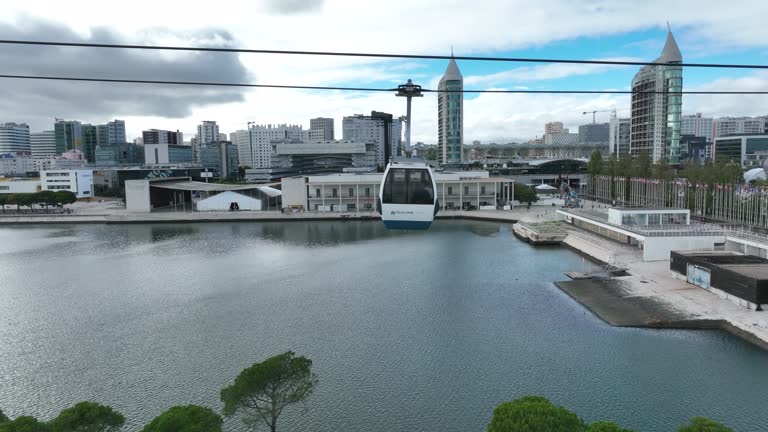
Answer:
(78, 181)
(13, 186)
(16, 164)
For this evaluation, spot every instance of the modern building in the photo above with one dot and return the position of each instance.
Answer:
(115, 132)
(43, 144)
(323, 157)
(220, 158)
(253, 146)
(450, 116)
(749, 150)
(697, 125)
(321, 129)
(14, 186)
(727, 126)
(71, 159)
(68, 135)
(618, 136)
(111, 180)
(78, 181)
(594, 133)
(90, 141)
(655, 120)
(167, 154)
(379, 128)
(561, 138)
(158, 136)
(119, 155)
(14, 137)
(694, 149)
(554, 127)
(16, 164)
(207, 131)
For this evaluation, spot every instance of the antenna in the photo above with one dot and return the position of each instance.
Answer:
(451, 50)
(668, 27)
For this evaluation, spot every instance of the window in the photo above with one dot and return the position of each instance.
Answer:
(351, 192)
(5, 188)
(367, 191)
(654, 219)
(413, 186)
(466, 190)
(482, 190)
(317, 192)
(335, 193)
(450, 190)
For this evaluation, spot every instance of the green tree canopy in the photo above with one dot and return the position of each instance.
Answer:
(88, 417)
(595, 164)
(3, 417)
(262, 391)
(24, 424)
(187, 418)
(643, 164)
(701, 424)
(65, 197)
(524, 193)
(534, 414)
(606, 426)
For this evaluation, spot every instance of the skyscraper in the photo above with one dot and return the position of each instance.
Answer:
(450, 116)
(696, 125)
(115, 132)
(69, 135)
(655, 124)
(14, 138)
(618, 135)
(380, 128)
(321, 129)
(207, 131)
(43, 145)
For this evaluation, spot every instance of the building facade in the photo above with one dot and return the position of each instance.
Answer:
(450, 116)
(68, 135)
(119, 155)
(115, 132)
(696, 125)
(618, 136)
(749, 150)
(78, 181)
(561, 138)
(219, 157)
(554, 127)
(253, 146)
(379, 128)
(14, 137)
(43, 144)
(594, 133)
(657, 106)
(321, 129)
(16, 164)
(158, 136)
(726, 126)
(14, 186)
(207, 131)
(167, 154)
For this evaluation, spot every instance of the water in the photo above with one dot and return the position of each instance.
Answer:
(424, 331)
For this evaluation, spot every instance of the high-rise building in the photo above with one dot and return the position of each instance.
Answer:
(655, 126)
(43, 144)
(618, 136)
(726, 126)
(594, 133)
(219, 157)
(554, 127)
(115, 132)
(696, 125)
(321, 129)
(69, 135)
(90, 141)
(253, 146)
(158, 136)
(102, 134)
(14, 138)
(207, 131)
(450, 116)
(119, 154)
(379, 128)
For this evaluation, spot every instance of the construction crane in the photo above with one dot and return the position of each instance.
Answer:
(594, 112)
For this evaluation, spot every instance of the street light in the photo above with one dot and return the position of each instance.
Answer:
(408, 90)
(250, 141)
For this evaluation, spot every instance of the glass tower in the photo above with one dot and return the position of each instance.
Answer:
(450, 116)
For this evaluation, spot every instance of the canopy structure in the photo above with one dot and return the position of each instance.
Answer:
(545, 187)
(754, 174)
(224, 201)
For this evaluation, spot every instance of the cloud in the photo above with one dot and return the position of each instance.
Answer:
(544, 72)
(293, 6)
(100, 101)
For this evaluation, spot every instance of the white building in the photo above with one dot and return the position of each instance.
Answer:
(16, 164)
(14, 138)
(12, 186)
(554, 128)
(618, 136)
(696, 125)
(321, 129)
(253, 145)
(726, 126)
(167, 154)
(207, 131)
(561, 138)
(378, 128)
(78, 181)
(43, 144)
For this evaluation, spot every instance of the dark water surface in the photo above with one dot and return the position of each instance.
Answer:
(423, 331)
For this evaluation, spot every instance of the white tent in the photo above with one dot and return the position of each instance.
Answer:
(754, 174)
(222, 202)
(545, 187)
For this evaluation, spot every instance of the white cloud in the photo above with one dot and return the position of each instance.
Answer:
(544, 72)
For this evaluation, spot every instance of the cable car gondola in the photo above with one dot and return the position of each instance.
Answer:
(407, 198)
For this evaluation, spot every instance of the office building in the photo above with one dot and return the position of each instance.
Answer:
(696, 125)
(554, 127)
(379, 128)
(90, 141)
(68, 135)
(594, 133)
(618, 136)
(253, 145)
(655, 124)
(726, 126)
(220, 158)
(167, 154)
(14, 186)
(749, 150)
(78, 181)
(43, 144)
(207, 131)
(115, 133)
(16, 164)
(15, 138)
(70, 159)
(450, 116)
(561, 138)
(321, 129)
(694, 149)
(159, 136)
(119, 155)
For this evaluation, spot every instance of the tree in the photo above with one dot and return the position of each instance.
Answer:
(64, 197)
(595, 164)
(701, 424)
(534, 414)
(88, 417)
(524, 193)
(263, 390)
(643, 165)
(24, 424)
(3, 417)
(187, 418)
(606, 426)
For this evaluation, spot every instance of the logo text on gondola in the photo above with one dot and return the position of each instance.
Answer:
(401, 212)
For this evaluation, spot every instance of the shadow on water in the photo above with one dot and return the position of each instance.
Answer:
(168, 232)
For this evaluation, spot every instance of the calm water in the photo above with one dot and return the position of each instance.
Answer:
(408, 331)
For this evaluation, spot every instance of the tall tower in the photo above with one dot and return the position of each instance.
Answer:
(450, 115)
(655, 124)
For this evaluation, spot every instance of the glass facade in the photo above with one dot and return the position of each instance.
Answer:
(673, 83)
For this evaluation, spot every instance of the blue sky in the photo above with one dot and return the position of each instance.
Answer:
(707, 31)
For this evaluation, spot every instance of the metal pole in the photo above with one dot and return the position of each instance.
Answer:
(408, 124)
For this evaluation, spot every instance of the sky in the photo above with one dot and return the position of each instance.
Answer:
(706, 32)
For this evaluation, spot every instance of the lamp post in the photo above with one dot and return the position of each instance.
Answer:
(250, 141)
(408, 90)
